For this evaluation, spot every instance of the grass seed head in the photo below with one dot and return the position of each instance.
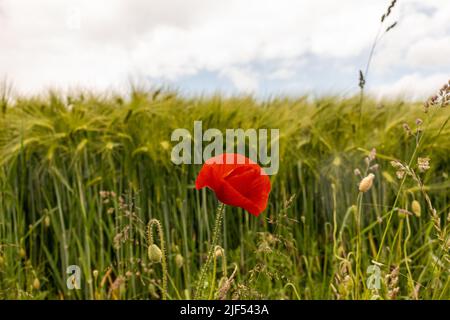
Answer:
(423, 164)
(407, 129)
(416, 208)
(366, 183)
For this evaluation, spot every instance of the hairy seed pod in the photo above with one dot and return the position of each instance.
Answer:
(47, 221)
(218, 252)
(36, 284)
(179, 260)
(416, 208)
(154, 253)
(366, 183)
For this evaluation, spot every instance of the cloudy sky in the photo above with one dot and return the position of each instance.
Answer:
(265, 47)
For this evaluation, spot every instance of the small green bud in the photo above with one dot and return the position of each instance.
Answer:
(154, 253)
(415, 207)
(36, 284)
(179, 260)
(47, 221)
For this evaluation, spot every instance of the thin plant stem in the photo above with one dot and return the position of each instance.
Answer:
(213, 278)
(215, 239)
(397, 197)
(405, 253)
(366, 73)
(159, 228)
(358, 242)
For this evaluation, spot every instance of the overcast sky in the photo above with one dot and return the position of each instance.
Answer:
(199, 46)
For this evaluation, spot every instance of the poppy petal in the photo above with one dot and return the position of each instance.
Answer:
(236, 181)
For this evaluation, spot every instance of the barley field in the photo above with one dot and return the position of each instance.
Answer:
(360, 207)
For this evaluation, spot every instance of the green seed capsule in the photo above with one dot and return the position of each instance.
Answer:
(179, 260)
(154, 253)
(415, 207)
(36, 284)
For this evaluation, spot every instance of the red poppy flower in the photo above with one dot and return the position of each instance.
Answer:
(237, 181)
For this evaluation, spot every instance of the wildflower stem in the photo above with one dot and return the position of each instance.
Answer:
(215, 239)
(365, 74)
(159, 228)
(397, 197)
(405, 253)
(358, 242)
(213, 278)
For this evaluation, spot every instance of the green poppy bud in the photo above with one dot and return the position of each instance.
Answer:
(154, 253)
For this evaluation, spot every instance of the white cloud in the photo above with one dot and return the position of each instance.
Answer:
(243, 80)
(413, 86)
(171, 39)
(421, 38)
(429, 52)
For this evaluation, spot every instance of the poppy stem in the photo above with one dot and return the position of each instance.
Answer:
(150, 240)
(215, 239)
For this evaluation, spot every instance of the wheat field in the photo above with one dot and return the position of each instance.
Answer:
(82, 175)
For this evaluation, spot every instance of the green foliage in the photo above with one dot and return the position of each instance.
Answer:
(81, 176)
